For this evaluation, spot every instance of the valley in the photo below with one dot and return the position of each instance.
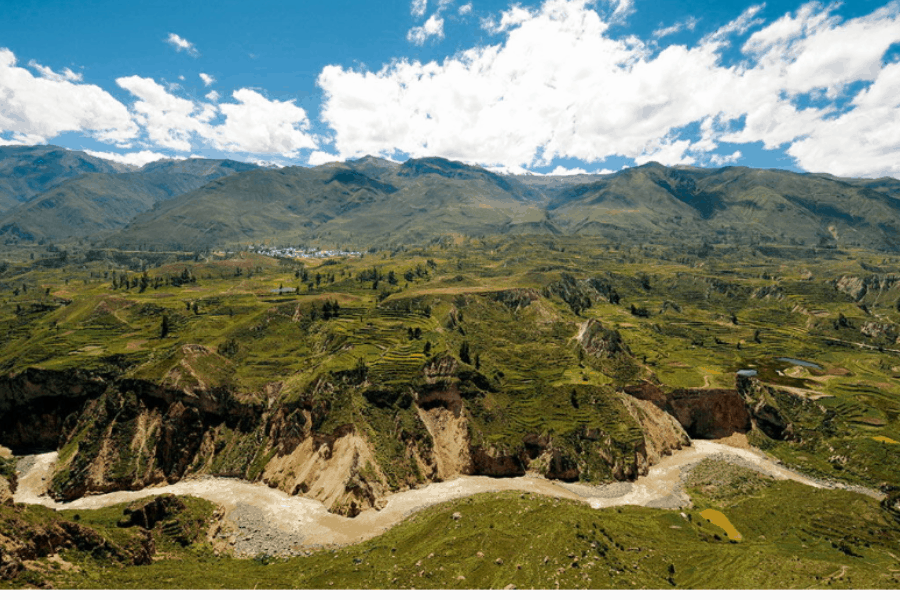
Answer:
(218, 414)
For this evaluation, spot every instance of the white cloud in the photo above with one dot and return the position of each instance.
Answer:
(257, 125)
(863, 142)
(135, 159)
(688, 24)
(252, 125)
(533, 97)
(213, 96)
(621, 8)
(739, 26)
(23, 139)
(317, 157)
(179, 43)
(417, 8)
(509, 19)
(562, 171)
(433, 27)
(48, 73)
(168, 120)
(718, 160)
(35, 109)
(465, 9)
(208, 80)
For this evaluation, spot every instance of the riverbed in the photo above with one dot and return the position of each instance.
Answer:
(261, 520)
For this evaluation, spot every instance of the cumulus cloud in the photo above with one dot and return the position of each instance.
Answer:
(135, 159)
(251, 125)
(213, 96)
(208, 80)
(179, 43)
(465, 9)
(417, 8)
(169, 121)
(532, 97)
(260, 126)
(34, 109)
(433, 27)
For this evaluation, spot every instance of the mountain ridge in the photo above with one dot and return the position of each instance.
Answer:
(201, 203)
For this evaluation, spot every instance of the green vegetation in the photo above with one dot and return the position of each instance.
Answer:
(513, 307)
(524, 337)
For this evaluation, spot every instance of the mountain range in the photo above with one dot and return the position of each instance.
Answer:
(54, 194)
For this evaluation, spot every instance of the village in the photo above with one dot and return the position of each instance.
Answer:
(291, 252)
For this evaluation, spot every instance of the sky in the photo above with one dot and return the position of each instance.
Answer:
(553, 86)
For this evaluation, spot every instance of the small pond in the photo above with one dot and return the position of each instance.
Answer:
(800, 363)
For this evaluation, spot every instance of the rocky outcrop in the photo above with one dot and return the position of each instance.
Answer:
(147, 513)
(35, 405)
(703, 413)
(514, 299)
(764, 405)
(769, 292)
(442, 413)
(663, 434)
(857, 287)
(339, 470)
(601, 342)
(492, 462)
(23, 539)
(885, 331)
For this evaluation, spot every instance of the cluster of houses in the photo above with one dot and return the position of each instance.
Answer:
(291, 252)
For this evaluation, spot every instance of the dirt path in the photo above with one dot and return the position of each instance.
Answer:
(259, 519)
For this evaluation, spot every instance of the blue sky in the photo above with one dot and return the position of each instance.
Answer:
(552, 86)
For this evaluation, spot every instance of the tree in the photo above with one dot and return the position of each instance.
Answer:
(427, 348)
(164, 327)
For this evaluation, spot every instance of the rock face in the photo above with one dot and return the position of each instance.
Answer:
(662, 432)
(126, 434)
(601, 342)
(703, 413)
(35, 404)
(766, 412)
(858, 287)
